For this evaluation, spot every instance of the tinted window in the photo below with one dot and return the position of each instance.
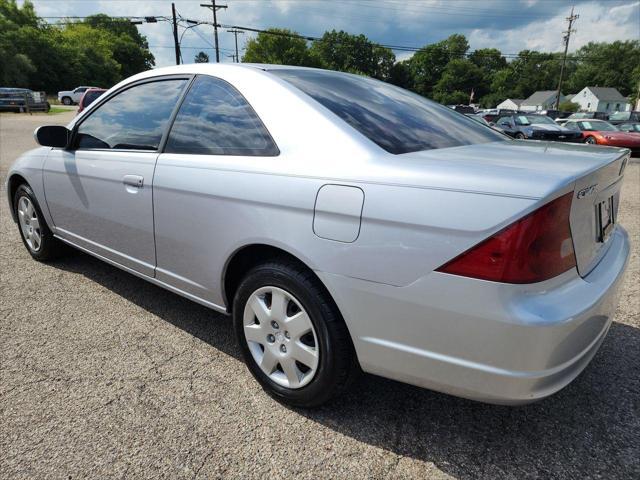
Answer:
(90, 97)
(620, 116)
(397, 120)
(133, 119)
(215, 119)
(504, 120)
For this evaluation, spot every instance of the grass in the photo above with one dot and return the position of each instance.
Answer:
(56, 110)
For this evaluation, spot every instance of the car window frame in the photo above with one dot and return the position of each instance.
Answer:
(165, 137)
(105, 97)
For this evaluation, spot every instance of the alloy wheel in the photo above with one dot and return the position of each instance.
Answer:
(29, 223)
(281, 337)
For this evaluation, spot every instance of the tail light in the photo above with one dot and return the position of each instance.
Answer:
(535, 248)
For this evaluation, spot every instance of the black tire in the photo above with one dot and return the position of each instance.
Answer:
(337, 365)
(590, 140)
(520, 136)
(47, 107)
(67, 100)
(50, 247)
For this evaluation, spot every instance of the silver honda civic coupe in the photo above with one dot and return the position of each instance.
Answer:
(345, 224)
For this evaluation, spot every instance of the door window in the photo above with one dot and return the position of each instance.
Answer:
(134, 119)
(215, 119)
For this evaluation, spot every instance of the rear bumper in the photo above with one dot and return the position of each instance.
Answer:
(505, 344)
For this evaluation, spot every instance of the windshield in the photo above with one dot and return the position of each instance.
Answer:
(397, 120)
(620, 116)
(594, 125)
(530, 119)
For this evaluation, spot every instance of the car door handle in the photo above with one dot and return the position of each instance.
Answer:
(133, 180)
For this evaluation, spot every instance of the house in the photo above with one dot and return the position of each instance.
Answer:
(542, 100)
(601, 99)
(510, 104)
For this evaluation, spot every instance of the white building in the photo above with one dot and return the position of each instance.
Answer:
(601, 99)
(541, 100)
(510, 104)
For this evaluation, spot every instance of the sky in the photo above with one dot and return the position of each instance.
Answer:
(509, 25)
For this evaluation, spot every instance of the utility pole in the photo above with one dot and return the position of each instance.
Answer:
(567, 35)
(214, 8)
(176, 45)
(235, 32)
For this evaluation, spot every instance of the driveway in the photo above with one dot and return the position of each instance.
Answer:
(104, 375)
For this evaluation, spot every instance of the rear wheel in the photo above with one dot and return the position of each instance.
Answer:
(66, 100)
(292, 336)
(34, 231)
(590, 141)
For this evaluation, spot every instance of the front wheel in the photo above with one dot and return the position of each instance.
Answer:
(292, 336)
(520, 136)
(591, 141)
(34, 231)
(66, 100)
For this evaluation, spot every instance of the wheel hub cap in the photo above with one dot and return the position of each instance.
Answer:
(281, 337)
(29, 223)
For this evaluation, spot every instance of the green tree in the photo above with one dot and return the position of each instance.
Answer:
(568, 106)
(129, 48)
(458, 79)
(99, 50)
(606, 65)
(353, 53)
(279, 47)
(427, 65)
(201, 57)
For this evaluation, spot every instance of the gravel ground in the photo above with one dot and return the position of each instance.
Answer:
(104, 375)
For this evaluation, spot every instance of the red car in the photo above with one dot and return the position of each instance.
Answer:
(599, 132)
(89, 96)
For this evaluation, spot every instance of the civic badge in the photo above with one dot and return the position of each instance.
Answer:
(585, 192)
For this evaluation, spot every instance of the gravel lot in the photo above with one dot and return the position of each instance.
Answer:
(104, 375)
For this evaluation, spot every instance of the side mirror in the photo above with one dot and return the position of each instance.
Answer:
(52, 136)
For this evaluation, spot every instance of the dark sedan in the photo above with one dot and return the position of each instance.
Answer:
(535, 127)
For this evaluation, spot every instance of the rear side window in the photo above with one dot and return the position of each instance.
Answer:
(134, 119)
(397, 120)
(215, 119)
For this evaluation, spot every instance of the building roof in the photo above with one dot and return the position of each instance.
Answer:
(538, 98)
(569, 96)
(517, 101)
(607, 93)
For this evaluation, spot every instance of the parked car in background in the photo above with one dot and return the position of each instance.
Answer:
(344, 223)
(492, 114)
(594, 115)
(554, 114)
(464, 109)
(534, 127)
(23, 99)
(624, 117)
(629, 127)
(478, 118)
(599, 132)
(69, 97)
(89, 97)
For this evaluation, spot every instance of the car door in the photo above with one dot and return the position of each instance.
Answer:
(202, 186)
(99, 191)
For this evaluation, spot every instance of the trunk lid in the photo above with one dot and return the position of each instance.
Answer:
(594, 212)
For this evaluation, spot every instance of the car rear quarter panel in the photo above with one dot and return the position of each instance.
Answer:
(210, 206)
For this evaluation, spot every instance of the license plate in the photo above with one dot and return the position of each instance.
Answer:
(605, 219)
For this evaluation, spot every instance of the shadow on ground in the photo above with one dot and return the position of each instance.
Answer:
(590, 429)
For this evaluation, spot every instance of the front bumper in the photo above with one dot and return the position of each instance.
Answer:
(498, 343)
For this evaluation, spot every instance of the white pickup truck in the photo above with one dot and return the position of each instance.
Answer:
(69, 97)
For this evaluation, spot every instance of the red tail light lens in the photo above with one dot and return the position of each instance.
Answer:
(535, 248)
